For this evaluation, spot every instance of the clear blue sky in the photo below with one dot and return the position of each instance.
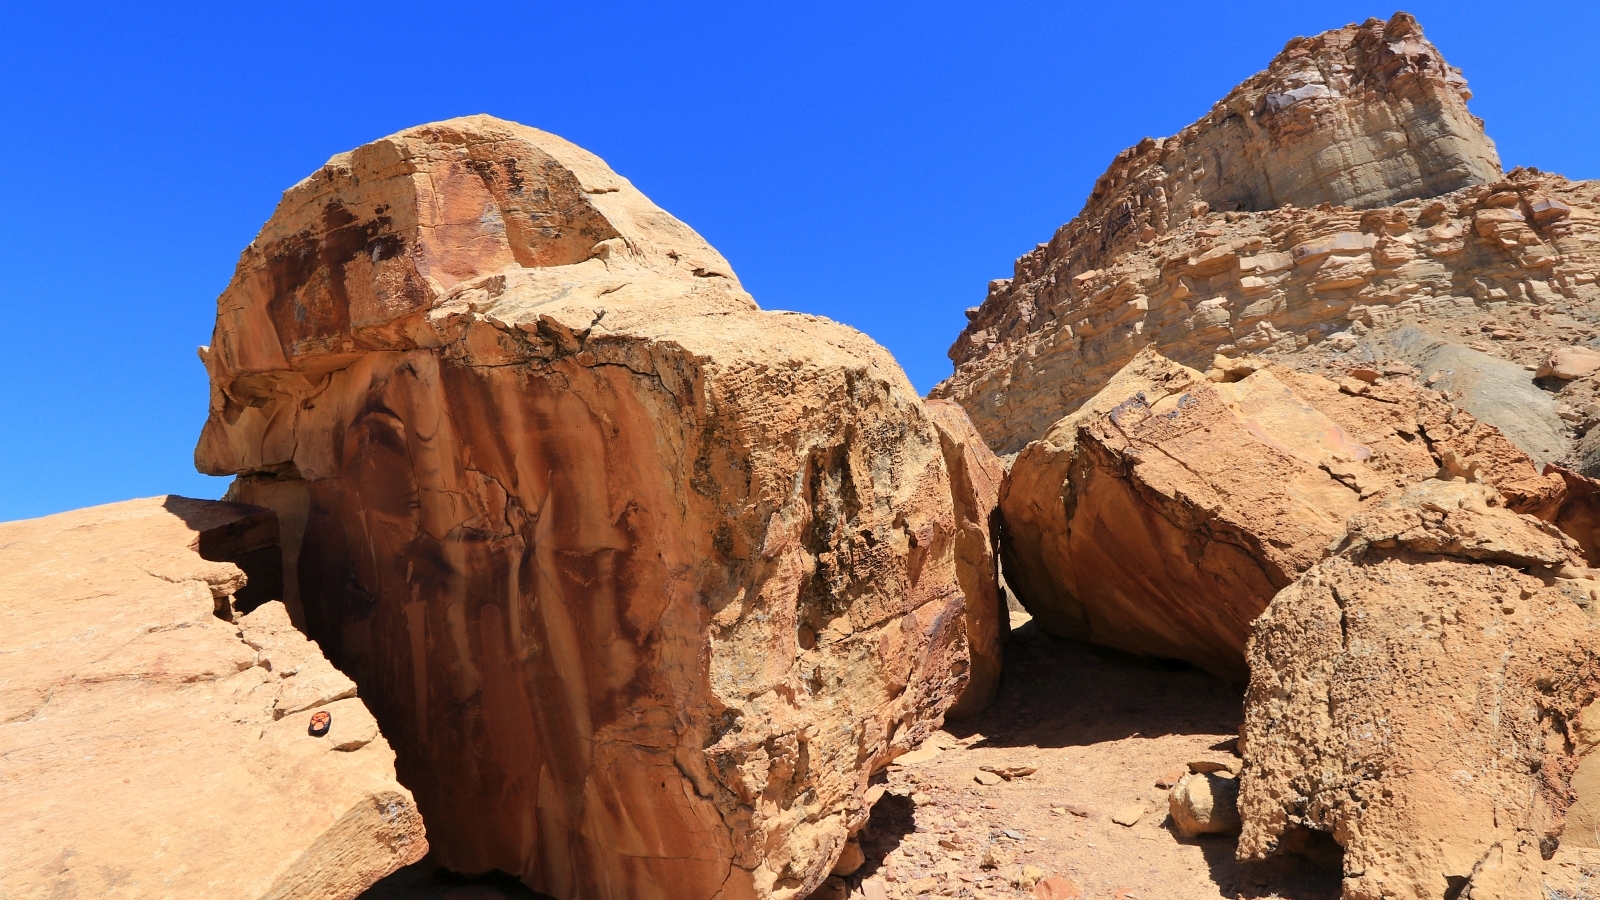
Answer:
(876, 163)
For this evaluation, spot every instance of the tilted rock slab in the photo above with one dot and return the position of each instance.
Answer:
(1163, 516)
(642, 582)
(1426, 697)
(1175, 251)
(152, 747)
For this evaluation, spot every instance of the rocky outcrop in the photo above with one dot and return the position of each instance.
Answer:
(1362, 116)
(1163, 515)
(1284, 282)
(155, 742)
(975, 476)
(643, 583)
(1422, 696)
(1241, 271)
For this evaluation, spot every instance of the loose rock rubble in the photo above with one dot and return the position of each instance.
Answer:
(935, 832)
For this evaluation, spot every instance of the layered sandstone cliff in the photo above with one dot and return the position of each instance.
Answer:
(643, 583)
(1199, 244)
(155, 741)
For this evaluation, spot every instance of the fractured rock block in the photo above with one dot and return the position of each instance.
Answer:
(152, 745)
(642, 582)
(1164, 515)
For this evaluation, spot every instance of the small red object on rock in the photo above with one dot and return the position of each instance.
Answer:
(320, 723)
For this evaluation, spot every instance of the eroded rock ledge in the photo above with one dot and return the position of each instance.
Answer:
(1182, 246)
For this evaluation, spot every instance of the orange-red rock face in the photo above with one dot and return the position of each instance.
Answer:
(1164, 515)
(642, 582)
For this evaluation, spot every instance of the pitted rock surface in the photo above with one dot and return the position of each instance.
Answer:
(1422, 696)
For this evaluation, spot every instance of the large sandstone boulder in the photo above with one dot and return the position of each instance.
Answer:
(155, 743)
(1426, 696)
(643, 583)
(1163, 515)
(1345, 190)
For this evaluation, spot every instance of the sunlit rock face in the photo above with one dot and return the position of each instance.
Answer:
(156, 712)
(1296, 202)
(642, 582)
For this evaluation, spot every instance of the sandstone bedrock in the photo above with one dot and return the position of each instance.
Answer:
(154, 737)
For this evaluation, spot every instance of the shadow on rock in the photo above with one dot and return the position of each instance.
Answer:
(1314, 875)
(893, 817)
(1061, 693)
(426, 880)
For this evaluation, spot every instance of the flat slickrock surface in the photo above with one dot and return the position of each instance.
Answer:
(149, 748)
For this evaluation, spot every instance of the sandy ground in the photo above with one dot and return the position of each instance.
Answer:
(1102, 731)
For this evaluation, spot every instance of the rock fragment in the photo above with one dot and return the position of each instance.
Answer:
(1569, 363)
(1130, 814)
(1205, 803)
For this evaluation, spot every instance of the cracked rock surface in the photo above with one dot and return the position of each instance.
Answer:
(643, 582)
(1163, 515)
(1423, 697)
(152, 746)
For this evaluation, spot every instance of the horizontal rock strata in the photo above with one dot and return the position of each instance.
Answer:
(1246, 270)
(1275, 282)
(153, 743)
(643, 582)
